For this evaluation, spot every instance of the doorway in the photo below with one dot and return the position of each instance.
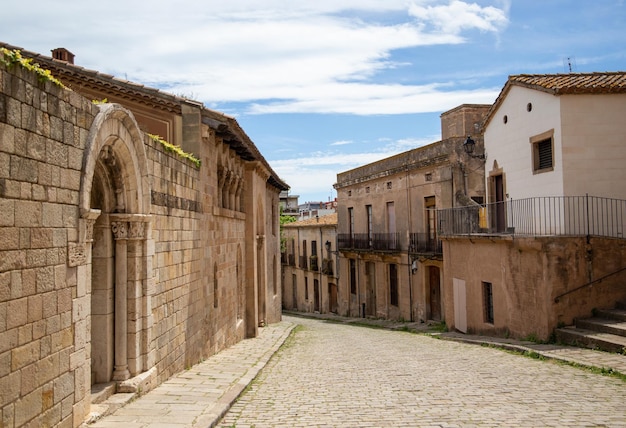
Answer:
(434, 294)
(370, 289)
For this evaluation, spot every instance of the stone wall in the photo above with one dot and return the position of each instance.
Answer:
(43, 376)
(115, 262)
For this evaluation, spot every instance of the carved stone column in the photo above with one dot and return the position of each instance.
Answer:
(120, 234)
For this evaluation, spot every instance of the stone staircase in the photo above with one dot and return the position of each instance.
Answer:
(605, 331)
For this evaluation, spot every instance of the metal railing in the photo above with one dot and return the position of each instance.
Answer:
(365, 241)
(539, 216)
(424, 243)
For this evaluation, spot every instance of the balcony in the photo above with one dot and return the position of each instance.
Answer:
(314, 266)
(540, 216)
(369, 242)
(424, 243)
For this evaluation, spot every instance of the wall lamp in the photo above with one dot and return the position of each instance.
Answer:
(469, 146)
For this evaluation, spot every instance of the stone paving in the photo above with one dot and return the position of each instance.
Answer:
(198, 397)
(337, 375)
(333, 373)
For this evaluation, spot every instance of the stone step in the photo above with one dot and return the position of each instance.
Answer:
(613, 314)
(591, 339)
(603, 325)
(108, 406)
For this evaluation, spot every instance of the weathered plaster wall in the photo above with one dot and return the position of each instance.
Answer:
(527, 274)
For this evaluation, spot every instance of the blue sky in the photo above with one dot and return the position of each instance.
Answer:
(325, 86)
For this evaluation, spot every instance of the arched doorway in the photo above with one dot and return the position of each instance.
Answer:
(114, 196)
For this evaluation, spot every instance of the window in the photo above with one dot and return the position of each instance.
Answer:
(370, 229)
(352, 276)
(351, 222)
(393, 284)
(488, 302)
(543, 152)
(431, 224)
(306, 288)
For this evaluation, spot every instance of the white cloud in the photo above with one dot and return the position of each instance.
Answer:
(342, 143)
(296, 55)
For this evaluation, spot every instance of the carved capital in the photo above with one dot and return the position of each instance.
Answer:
(136, 230)
(119, 229)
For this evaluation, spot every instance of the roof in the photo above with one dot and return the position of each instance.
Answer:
(77, 77)
(610, 82)
(326, 220)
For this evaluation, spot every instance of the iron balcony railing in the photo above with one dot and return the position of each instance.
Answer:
(420, 243)
(539, 216)
(366, 241)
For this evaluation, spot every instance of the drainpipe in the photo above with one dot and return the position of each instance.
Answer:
(408, 252)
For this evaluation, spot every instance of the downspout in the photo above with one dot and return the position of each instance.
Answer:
(320, 263)
(408, 252)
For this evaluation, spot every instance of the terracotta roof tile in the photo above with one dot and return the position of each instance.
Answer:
(574, 83)
(610, 82)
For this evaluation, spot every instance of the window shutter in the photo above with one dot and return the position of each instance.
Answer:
(545, 154)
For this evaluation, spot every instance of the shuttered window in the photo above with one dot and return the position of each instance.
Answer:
(543, 152)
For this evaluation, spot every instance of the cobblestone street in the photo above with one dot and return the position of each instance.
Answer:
(335, 375)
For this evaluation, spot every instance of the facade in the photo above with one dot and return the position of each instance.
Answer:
(123, 259)
(390, 256)
(289, 203)
(310, 281)
(551, 244)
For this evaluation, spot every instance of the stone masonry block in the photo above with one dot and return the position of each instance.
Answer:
(56, 128)
(52, 214)
(70, 179)
(28, 407)
(23, 169)
(7, 212)
(9, 238)
(14, 112)
(5, 164)
(7, 138)
(56, 153)
(41, 237)
(36, 147)
(10, 387)
(3, 319)
(8, 340)
(45, 279)
(63, 386)
(35, 308)
(17, 313)
(5, 364)
(30, 214)
(49, 305)
(24, 355)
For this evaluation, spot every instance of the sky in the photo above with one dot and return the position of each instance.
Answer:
(325, 86)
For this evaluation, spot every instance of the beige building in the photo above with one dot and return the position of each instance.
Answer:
(390, 257)
(550, 245)
(309, 265)
(123, 259)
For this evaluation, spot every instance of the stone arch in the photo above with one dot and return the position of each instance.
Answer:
(114, 132)
(114, 199)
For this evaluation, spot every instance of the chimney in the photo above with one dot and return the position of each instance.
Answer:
(63, 54)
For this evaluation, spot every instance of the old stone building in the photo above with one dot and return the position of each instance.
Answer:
(123, 258)
(551, 247)
(390, 256)
(309, 265)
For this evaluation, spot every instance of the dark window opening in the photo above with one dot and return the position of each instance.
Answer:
(488, 302)
(393, 285)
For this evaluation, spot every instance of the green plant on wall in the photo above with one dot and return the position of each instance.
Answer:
(175, 149)
(13, 57)
(284, 219)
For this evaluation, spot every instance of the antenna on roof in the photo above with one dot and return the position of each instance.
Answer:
(569, 64)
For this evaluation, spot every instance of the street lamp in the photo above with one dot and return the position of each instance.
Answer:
(469, 146)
